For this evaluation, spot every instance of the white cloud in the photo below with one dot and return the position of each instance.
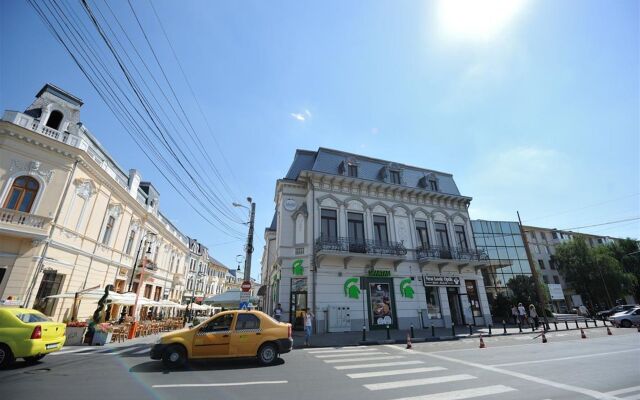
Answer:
(303, 116)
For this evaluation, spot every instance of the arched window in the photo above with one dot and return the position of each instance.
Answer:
(55, 118)
(22, 194)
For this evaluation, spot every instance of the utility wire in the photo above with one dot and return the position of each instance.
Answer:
(96, 84)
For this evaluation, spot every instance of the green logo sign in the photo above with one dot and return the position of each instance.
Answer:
(298, 269)
(351, 288)
(405, 288)
(379, 273)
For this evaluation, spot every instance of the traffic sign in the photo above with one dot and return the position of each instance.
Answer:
(244, 300)
(246, 286)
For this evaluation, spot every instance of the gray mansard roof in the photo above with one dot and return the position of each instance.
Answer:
(329, 161)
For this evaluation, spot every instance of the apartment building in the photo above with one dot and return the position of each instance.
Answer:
(367, 242)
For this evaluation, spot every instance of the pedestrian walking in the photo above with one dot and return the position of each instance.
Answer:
(308, 323)
(533, 314)
(277, 313)
(522, 314)
(514, 314)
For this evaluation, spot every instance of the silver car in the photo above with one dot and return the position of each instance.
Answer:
(626, 319)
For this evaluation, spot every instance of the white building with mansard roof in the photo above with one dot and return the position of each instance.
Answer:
(362, 241)
(71, 218)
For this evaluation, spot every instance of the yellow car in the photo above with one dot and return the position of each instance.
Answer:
(28, 334)
(228, 334)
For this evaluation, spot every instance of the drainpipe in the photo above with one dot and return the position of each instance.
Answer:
(46, 244)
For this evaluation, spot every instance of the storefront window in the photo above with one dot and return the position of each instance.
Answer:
(381, 311)
(472, 292)
(433, 302)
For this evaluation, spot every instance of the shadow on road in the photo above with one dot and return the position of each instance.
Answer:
(202, 365)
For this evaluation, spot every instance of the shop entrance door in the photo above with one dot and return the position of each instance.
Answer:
(382, 308)
(298, 304)
(457, 317)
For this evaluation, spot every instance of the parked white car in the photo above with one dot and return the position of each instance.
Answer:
(626, 319)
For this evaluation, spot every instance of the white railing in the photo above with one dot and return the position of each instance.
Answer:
(13, 217)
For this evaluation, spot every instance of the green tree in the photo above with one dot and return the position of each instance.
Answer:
(523, 288)
(627, 252)
(594, 273)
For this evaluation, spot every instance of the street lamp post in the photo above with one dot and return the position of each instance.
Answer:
(249, 246)
(123, 314)
(136, 314)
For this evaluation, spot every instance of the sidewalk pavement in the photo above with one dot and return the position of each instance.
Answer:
(397, 336)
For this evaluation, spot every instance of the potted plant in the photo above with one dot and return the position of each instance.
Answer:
(102, 334)
(75, 333)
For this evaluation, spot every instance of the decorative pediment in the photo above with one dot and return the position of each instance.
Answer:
(33, 168)
(114, 210)
(85, 188)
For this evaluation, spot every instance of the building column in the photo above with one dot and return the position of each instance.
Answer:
(342, 221)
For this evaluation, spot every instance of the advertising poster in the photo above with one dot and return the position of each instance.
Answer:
(381, 311)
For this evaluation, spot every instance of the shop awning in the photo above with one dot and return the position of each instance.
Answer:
(229, 299)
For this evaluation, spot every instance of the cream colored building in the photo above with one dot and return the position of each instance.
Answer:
(217, 273)
(72, 219)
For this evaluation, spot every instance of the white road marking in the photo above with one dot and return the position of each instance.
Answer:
(351, 354)
(379, 365)
(419, 382)
(219, 384)
(563, 358)
(363, 359)
(314, 349)
(145, 350)
(571, 388)
(83, 350)
(625, 390)
(394, 372)
(341, 351)
(463, 394)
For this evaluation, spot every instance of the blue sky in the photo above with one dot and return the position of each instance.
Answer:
(536, 112)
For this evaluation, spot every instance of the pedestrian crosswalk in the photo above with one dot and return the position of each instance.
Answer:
(136, 350)
(381, 371)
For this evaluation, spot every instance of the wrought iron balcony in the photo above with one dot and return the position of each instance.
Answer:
(370, 247)
(450, 253)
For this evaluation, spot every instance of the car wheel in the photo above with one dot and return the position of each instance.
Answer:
(34, 359)
(6, 356)
(174, 356)
(267, 354)
(626, 323)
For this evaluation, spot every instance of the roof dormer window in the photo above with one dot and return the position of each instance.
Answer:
(55, 118)
(352, 170)
(433, 184)
(394, 177)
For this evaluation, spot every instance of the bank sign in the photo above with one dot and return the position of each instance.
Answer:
(439, 280)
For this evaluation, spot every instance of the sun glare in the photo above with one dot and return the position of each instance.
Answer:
(476, 19)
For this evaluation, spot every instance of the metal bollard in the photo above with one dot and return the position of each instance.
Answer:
(577, 327)
(470, 330)
(433, 331)
(555, 324)
(595, 322)
(453, 329)
(520, 327)
(566, 325)
(586, 323)
(504, 327)
(364, 333)
(489, 329)
(412, 335)
(388, 333)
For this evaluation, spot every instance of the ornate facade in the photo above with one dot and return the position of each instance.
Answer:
(367, 242)
(72, 219)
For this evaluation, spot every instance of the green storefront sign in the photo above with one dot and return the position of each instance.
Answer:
(379, 273)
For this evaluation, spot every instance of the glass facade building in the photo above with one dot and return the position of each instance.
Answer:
(504, 244)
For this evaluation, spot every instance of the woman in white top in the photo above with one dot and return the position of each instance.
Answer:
(534, 315)
(308, 323)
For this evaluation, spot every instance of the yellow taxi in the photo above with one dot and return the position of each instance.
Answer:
(228, 334)
(28, 334)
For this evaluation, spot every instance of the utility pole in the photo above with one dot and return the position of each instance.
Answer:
(249, 248)
(534, 273)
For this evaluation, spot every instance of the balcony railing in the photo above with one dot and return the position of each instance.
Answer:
(450, 253)
(370, 247)
(13, 217)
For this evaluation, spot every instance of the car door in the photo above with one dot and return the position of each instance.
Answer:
(246, 336)
(213, 338)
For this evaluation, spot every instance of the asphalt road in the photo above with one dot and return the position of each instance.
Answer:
(511, 367)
